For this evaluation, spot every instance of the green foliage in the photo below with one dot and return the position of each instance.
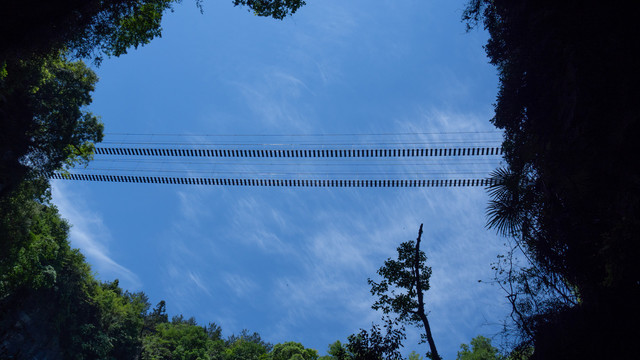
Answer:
(481, 349)
(376, 344)
(43, 123)
(131, 28)
(157, 316)
(184, 339)
(176, 341)
(181, 338)
(180, 319)
(292, 351)
(249, 337)
(33, 239)
(121, 317)
(52, 306)
(214, 331)
(83, 28)
(337, 351)
(246, 346)
(243, 349)
(277, 9)
(397, 292)
(49, 299)
(402, 289)
(414, 356)
(97, 28)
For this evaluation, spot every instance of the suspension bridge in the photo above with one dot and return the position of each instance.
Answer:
(384, 160)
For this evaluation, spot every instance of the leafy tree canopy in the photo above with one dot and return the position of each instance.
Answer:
(480, 349)
(402, 288)
(376, 344)
(277, 9)
(292, 351)
(32, 240)
(337, 351)
(51, 306)
(97, 28)
(84, 28)
(176, 340)
(43, 121)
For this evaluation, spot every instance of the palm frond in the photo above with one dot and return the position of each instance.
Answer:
(505, 210)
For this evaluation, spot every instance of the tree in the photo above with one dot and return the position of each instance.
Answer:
(214, 331)
(337, 351)
(481, 349)
(157, 316)
(376, 345)
(120, 320)
(569, 194)
(32, 240)
(177, 340)
(242, 349)
(277, 9)
(249, 337)
(292, 351)
(402, 289)
(91, 28)
(43, 121)
(51, 306)
(96, 28)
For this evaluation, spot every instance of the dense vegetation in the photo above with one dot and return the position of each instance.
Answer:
(569, 196)
(52, 306)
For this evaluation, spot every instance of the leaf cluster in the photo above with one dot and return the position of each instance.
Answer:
(277, 9)
(81, 28)
(397, 292)
(377, 344)
(44, 124)
(480, 349)
(50, 301)
(292, 351)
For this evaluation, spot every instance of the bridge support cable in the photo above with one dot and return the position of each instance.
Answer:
(268, 182)
(302, 153)
(403, 160)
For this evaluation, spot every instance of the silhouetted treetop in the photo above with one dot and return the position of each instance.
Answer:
(570, 195)
(277, 9)
(97, 28)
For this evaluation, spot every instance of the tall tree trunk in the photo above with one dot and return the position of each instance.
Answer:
(421, 313)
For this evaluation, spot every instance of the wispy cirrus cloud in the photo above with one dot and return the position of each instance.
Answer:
(295, 259)
(276, 98)
(90, 234)
(241, 286)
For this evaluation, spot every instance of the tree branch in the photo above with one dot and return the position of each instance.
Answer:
(421, 313)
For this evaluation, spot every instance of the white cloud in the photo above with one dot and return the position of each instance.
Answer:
(276, 97)
(197, 280)
(253, 224)
(91, 235)
(242, 286)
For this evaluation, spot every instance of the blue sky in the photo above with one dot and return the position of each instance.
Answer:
(292, 263)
